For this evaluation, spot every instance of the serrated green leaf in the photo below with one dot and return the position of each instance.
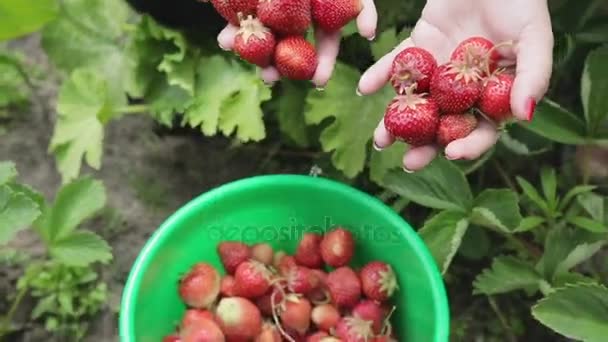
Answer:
(594, 86)
(83, 108)
(443, 235)
(475, 244)
(506, 274)
(440, 185)
(497, 208)
(532, 194)
(576, 311)
(81, 248)
(387, 41)
(557, 124)
(74, 203)
(290, 112)
(560, 243)
(165, 101)
(524, 142)
(13, 87)
(572, 193)
(529, 223)
(588, 224)
(354, 118)
(8, 172)
(593, 205)
(17, 212)
(571, 278)
(228, 98)
(579, 254)
(383, 161)
(21, 17)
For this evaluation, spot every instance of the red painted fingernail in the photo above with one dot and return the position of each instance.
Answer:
(531, 107)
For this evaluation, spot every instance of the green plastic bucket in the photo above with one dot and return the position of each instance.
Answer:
(278, 209)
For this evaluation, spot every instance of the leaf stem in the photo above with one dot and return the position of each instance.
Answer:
(134, 109)
(505, 324)
(504, 175)
(6, 321)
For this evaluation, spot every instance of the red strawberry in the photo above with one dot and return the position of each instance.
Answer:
(344, 287)
(332, 15)
(278, 256)
(200, 286)
(378, 280)
(495, 99)
(301, 280)
(325, 316)
(229, 9)
(320, 293)
(254, 42)
(295, 58)
(413, 65)
(192, 316)
(252, 279)
(384, 338)
(269, 333)
(412, 118)
(264, 303)
(455, 126)
(455, 86)
(171, 338)
(370, 310)
(295, 313)
(227, 286)
(232, 253)
(475, 50)
(337, 247)
(285, 17)
(319, 336)
(354, 329)
(203, 330)
(238, 318)
(285, 264)
(308, 251)
(263, 253)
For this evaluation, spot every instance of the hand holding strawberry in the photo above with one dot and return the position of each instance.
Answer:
(461, 74)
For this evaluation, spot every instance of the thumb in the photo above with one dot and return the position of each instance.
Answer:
(534, 51)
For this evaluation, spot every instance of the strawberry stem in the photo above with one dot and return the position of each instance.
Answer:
(275, 317)
(387, 327)
(489, 53)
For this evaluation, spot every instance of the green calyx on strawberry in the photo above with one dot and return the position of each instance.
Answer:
(332, 15)
(254, 42)
(413, 65)
(412, 118)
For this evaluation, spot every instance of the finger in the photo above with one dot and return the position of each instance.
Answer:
(475, 144)
(225, 38)
(534, 65)
(378, 74)
(382, 138)
(328, 46)
(368, 20)
(416, 158)
(270, 75)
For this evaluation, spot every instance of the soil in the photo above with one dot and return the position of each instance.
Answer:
(148, 173)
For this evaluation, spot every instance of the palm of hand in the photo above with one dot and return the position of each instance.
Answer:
(442, 26)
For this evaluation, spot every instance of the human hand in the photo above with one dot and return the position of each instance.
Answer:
(445, 23)
(327, 45)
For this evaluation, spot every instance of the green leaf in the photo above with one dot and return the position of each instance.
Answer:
(532, 194)
(506, 274)
(14, 90)
(440, 185)
(81, 248)
(290, 113)
(17, 212)
(564, 246)
(354, 118)
(549, 184)
(387, 41)
(475, 244)
(381, 162)
(588, 224)
(469, 166)
(497, 208)
(524, 142)
(8, 172)
(228, 99)
(594, 86)
(83, 108)
(443, 235)
(596, 34)
(572, 193)
(579, 254)
(89, 33)
(75, 202)
(21, 17)
(529, 223)
(557, 124)
(593, 205)
(570, 278)
(576, 311)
